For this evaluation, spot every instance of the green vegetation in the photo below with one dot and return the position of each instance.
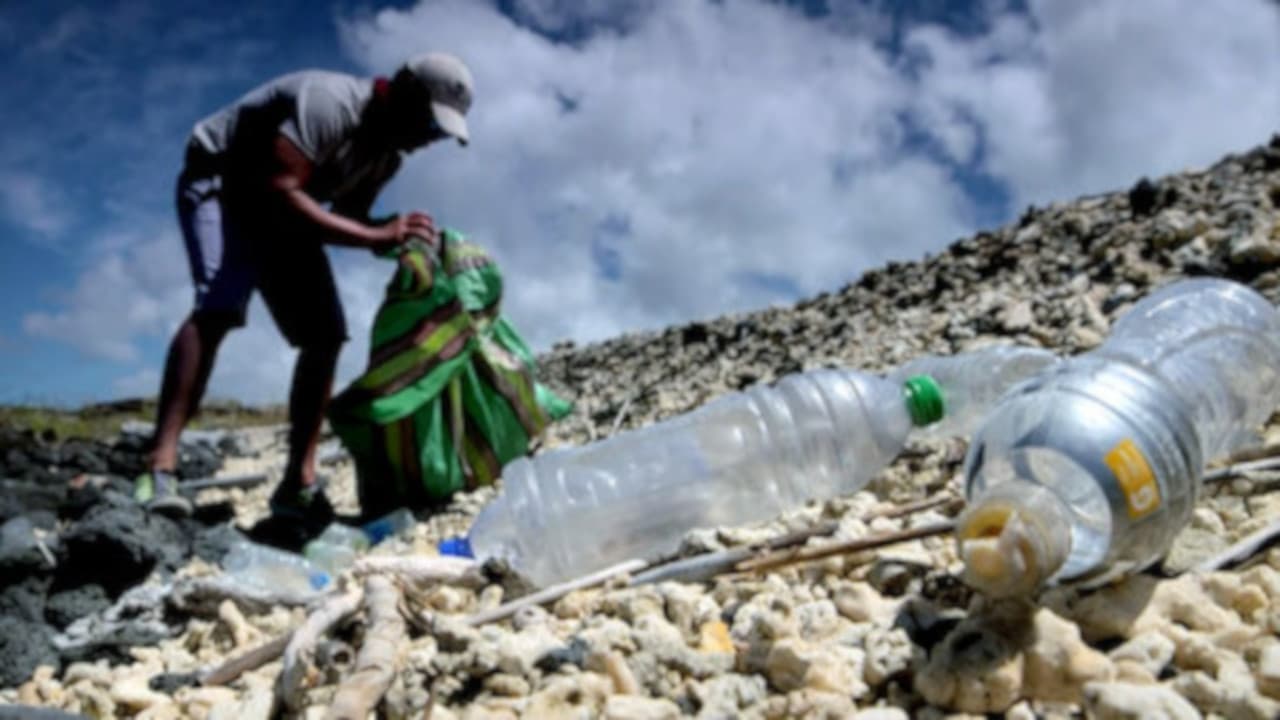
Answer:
(102, 421)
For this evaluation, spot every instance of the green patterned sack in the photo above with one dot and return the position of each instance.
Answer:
(449, 395)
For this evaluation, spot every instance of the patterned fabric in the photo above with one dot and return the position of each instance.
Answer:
(449, 395)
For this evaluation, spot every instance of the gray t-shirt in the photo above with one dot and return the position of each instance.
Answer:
(320, 112)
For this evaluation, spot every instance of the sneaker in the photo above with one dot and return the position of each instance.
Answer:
(157, 491)
(302, 502)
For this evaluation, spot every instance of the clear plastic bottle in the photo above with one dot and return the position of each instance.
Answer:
(269, 569)
(1089, 470)
(337, 547)
(393, 524)
(741, 458)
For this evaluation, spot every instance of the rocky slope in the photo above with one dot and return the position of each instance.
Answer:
(880, 635)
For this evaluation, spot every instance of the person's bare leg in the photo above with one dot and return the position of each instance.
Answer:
(187, 368)
(308, 398)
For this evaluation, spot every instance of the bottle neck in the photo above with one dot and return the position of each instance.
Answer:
(1013, 538)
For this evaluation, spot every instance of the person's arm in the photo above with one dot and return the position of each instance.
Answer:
(358, 203)
(293, 170)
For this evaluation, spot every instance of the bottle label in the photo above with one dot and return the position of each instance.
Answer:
(1137, 481)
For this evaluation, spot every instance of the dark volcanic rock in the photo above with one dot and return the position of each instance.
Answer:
(84, 456)
(20, 497)
(20, 551)
(117, 544)
(211, 543)
(128, 457)
(24, 646)
(66, 606)
(23, 597)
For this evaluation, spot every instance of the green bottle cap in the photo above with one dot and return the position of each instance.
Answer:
(924, 399)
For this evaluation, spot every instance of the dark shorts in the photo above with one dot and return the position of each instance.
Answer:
(233, 253)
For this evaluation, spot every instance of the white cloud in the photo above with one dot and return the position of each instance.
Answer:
(714, 130)
(1098, 93)
(29, 202)
(145, 382)
(123, 294)
(694, 158)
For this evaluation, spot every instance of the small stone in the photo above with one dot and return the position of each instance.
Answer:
(890, 653)
(1151, 650)
(1255, 248)
(1017, 317)
(886, 713)
(726, 695)
(507, 685)
(1059, 663)
(976, 669)
(633, 707)
(1191, 547)
(1126, 701)
(713, 637)
(892, 578)
(580, 695)
(793, 664)
(613, 665)
(1267, 674)
(861, 603)
(518, 652)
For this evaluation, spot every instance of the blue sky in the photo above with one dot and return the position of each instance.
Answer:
(635, 161)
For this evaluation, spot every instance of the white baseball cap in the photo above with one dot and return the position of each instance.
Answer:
(449, 83)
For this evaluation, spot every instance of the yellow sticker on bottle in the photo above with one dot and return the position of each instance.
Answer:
(1136, 478)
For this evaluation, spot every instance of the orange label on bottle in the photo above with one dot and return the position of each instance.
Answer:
(1136, 478)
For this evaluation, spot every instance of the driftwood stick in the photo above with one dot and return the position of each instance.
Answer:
(700, 568)
(555, 592)
(1251, 453)
(1243, 550)
(911, 508)
(1241, 468)
(379, 654)
(300, 653)
(798, 555)
(419, 569)
(252, 660)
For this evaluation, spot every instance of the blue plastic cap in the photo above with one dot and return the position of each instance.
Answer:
(319, 580)
(378, 530)
(456, 546)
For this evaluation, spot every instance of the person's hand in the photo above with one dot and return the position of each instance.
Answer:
(402, 227)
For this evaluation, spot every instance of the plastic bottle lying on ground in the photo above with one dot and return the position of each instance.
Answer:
(271, 569)
(1088, 471)
(744, 457)
(337, 547)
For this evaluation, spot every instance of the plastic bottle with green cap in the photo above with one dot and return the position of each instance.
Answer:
(1088, 471)
(744, 457)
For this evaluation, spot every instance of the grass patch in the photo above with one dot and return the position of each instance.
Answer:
(102, 421)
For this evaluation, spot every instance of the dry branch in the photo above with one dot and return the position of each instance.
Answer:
(252, 660)
(420, 569)
(379, 654)
(1238, 469)
(555, 592)
(774, 560)
(1243, 550)
(700, 568)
